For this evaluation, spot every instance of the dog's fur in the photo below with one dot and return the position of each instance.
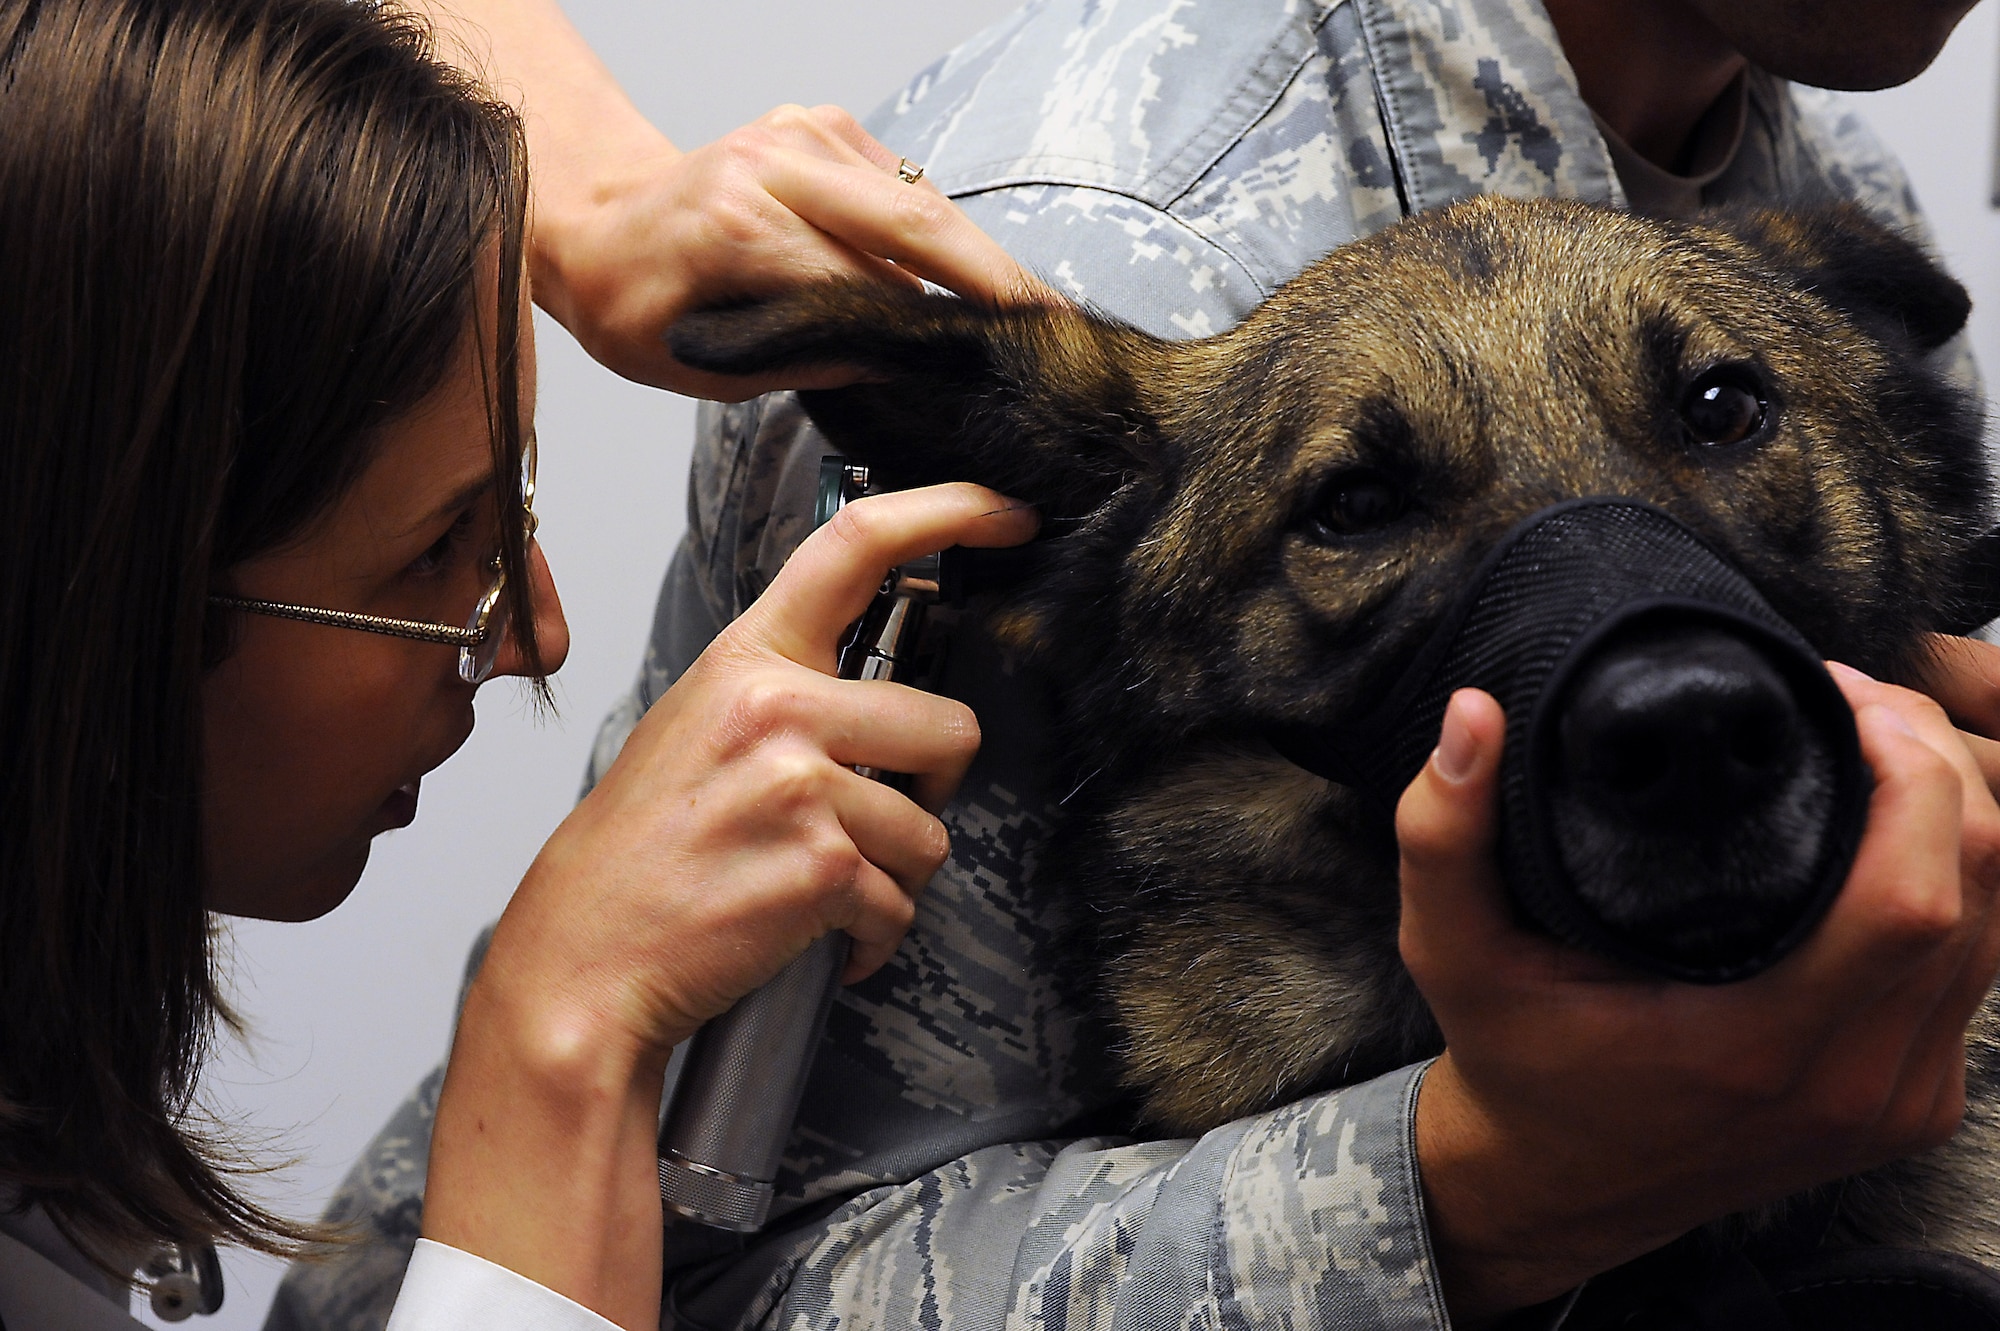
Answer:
(1258, 529)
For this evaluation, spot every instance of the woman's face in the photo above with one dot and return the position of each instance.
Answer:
(315, 737)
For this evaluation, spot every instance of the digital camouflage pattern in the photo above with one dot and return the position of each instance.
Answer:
(1172, 162)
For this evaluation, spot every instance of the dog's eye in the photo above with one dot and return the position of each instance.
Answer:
(1724, 406)
(1358, 502)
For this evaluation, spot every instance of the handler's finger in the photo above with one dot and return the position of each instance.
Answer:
(1963, 674)
(829, 579)
(1973, 758)
(1986, 757)
(1903, 899)
(1446, 831)
(917, 228)
(1928, 1102)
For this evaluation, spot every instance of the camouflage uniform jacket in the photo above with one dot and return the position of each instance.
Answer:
(1171, 161)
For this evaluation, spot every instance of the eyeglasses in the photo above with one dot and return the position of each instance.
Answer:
(478, 642)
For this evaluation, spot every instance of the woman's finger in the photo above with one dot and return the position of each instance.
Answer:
(830, 578)
(918, 229)
(759, 244)
(865, 724)
(895, 728)
(876, 723)
(883, 915)
(889, 830)
(836, 121)
(830, 132)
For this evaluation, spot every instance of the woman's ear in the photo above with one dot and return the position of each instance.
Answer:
(1045, 402)
(1874, 274)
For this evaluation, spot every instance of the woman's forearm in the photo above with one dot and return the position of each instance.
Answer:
(731, 831)
(542, 1159)
(629, 233)
(584, 133)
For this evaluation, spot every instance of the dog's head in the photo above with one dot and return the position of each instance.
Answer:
(1258, 531)
(1267, 521)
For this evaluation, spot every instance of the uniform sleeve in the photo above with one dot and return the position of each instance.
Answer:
(450, 1290)
(1306, 1218)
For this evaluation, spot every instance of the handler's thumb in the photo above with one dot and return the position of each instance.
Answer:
(1446, 829)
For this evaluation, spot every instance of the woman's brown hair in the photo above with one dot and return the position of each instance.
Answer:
(237, 237)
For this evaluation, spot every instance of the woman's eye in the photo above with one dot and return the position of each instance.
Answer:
(1359, 502)
(1725, 406)
(443, 552)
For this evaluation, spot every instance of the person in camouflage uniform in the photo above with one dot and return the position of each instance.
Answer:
(1172, 162)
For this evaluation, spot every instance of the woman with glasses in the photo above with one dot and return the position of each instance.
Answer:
(266, 404)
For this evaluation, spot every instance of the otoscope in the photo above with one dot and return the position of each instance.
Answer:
(745, 1071)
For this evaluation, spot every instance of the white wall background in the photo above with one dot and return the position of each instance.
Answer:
(349, 1012)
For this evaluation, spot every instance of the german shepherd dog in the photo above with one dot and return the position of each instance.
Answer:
(1260, 529)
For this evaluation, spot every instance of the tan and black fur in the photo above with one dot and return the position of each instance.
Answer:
(1258, 529)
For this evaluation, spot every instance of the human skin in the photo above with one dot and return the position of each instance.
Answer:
(730, 833)
(1650, 68)
(630, 232)
(315, 738)
(1583, 1115)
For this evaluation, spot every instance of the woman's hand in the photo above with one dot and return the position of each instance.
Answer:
(630, 233)
(625, 246)
(728, 835)
(732, 831)
(1583, 1115)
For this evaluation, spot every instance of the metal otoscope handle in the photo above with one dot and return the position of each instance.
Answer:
(745, 1073)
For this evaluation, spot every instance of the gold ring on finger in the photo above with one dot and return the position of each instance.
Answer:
(908, 171)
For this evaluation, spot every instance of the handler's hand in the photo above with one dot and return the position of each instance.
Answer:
(729, 834)
(799, 195)
(1963, 675)
(1583, 1115)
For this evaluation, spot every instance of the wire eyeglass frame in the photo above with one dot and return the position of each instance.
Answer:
(478, 642)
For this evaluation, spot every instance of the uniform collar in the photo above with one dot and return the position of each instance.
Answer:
(1479, 99)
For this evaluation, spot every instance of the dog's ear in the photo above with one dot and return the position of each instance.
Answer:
(1876, 275)
(1043, 402)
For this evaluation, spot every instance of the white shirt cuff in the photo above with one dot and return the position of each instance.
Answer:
(447, 1289)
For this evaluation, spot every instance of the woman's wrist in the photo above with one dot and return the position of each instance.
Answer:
(585, 135)
(574, 241)
(542, 1155)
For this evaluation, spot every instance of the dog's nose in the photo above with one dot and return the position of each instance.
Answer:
(1679, 731)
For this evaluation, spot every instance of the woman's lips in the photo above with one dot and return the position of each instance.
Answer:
(400, 809)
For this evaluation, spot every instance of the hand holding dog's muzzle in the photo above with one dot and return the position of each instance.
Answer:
(1683, 789)
(1584, 1114)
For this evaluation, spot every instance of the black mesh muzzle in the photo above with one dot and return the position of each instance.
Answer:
(1595, 590)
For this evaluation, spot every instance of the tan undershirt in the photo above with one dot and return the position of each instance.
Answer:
(1658, 192)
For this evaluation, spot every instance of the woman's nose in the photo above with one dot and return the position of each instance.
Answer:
(551, 629)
